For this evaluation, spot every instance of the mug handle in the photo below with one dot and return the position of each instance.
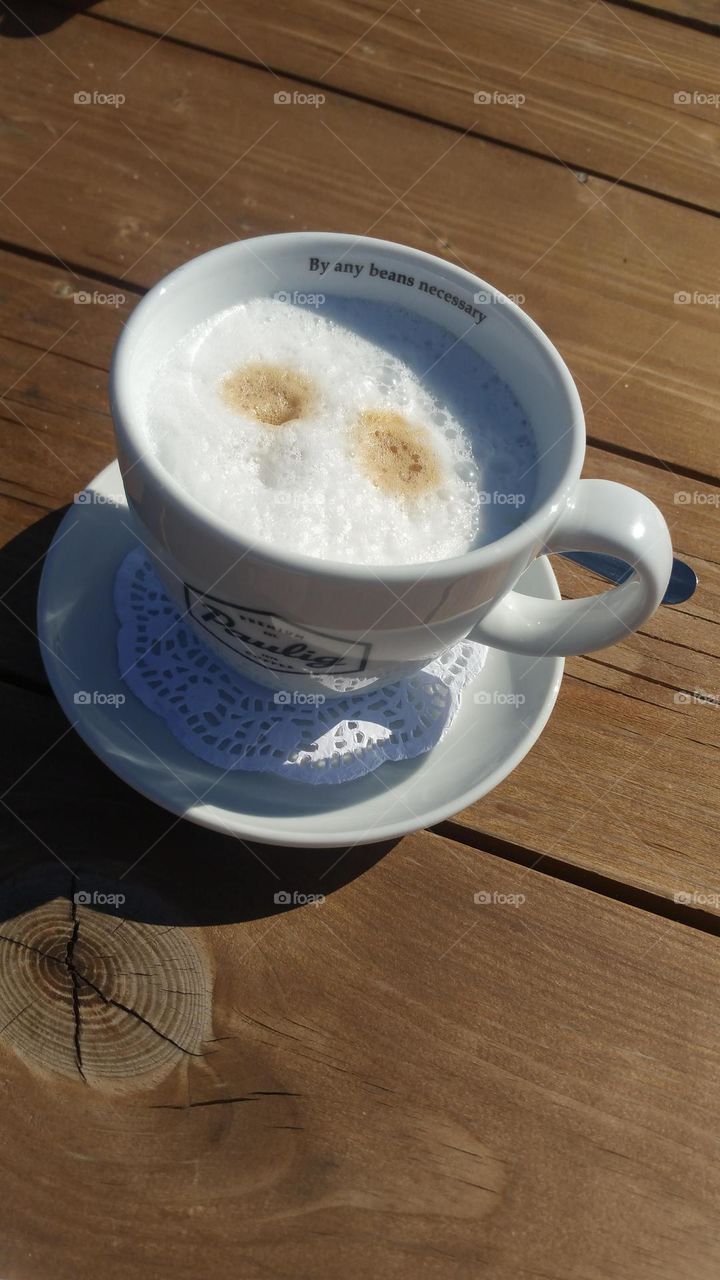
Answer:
(600, 516)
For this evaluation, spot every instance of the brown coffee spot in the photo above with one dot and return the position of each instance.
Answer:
(270, 393)
(397, 455)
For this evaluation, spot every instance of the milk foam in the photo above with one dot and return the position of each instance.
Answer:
(301, 485)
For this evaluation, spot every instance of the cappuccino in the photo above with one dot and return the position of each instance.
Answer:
(355, 431)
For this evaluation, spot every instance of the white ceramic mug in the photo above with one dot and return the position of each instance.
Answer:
(302, 624)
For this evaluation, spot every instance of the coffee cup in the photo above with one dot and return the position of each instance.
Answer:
(295, 622)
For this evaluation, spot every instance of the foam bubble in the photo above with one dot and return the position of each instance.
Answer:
(323, 484)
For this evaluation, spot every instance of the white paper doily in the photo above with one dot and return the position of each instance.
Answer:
(234, 723)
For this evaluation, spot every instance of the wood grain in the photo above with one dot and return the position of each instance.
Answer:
(389, 1083)
(705, 11)
(54, 363)
(86, 1003)
(598, 267)
(629, 721)
(636, 716)
(597, 81)
(456, 1065)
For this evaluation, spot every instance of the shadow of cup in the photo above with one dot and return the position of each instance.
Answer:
(37, 19)
(102, 891)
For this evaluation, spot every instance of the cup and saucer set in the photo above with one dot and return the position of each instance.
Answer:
(289, 699)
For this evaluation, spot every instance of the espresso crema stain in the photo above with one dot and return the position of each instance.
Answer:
(396, 454)
(271, 393)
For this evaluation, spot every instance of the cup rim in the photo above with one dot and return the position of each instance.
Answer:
(531, 530)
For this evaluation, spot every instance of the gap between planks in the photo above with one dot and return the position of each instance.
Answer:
(584, 878)
(519, 855)
(409, 112)
(90, 273)
(75, 268)
(667, 15)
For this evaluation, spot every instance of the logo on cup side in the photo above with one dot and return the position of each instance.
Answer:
(272, 642)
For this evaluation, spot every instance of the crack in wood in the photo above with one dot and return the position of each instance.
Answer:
(17, 1015)
(255, 1096)
(27, 946)
(69, 963)
(118, 1004)
(78, 978)
(188, 1106)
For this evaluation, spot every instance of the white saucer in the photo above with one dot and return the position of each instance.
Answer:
(77, 628)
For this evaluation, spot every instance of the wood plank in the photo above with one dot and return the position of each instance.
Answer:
(54, 369)
(335, 1122)
(598, 267)
(613, 707)
(597, 81)
(625, 778)
(705, 11)
(630, 721)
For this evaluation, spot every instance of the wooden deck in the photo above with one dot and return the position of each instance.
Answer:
(399, 1085)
